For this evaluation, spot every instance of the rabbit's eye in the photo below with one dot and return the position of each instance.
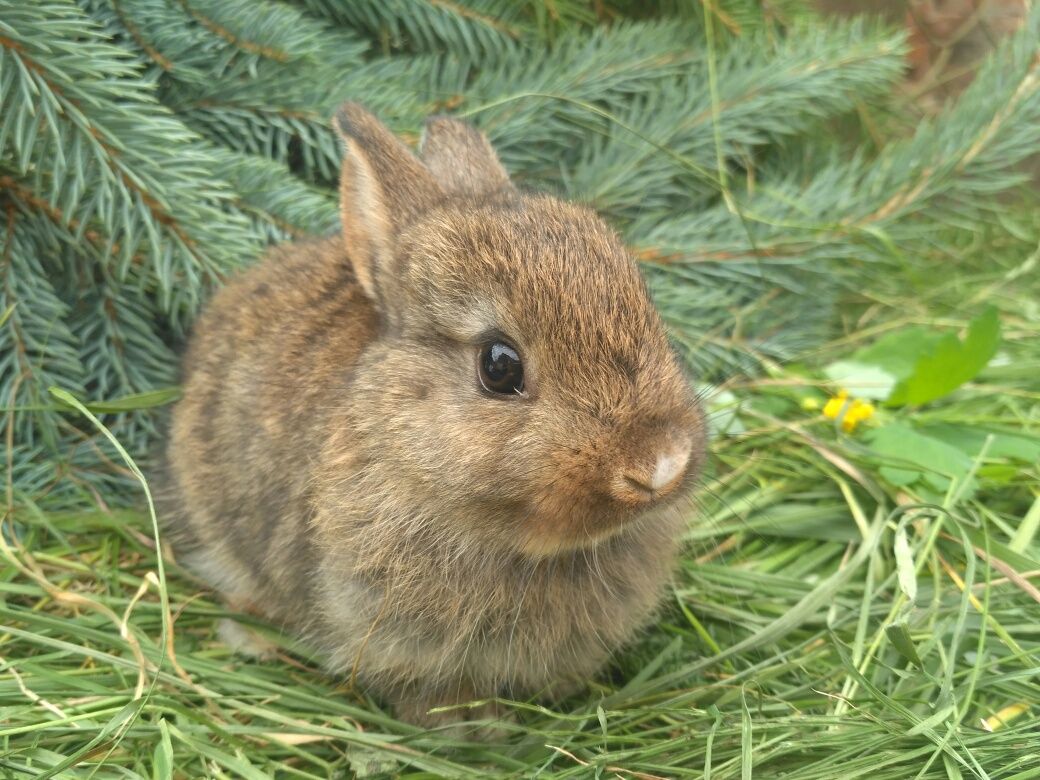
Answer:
(500, 369)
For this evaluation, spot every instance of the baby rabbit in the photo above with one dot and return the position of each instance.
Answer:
(446, 446)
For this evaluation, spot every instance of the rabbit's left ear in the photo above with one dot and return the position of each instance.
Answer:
(382, 187)
(460, 158)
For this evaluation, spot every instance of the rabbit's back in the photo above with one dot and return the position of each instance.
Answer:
(267, 360)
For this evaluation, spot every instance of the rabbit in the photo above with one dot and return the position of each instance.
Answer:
(448, 446)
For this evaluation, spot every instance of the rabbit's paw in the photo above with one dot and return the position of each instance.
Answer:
(484, 721)
(245, 641)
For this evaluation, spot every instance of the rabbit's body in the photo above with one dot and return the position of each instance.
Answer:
(347, 461)
(249, 429)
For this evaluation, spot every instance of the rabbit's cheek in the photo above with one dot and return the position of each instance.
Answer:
(567, 514)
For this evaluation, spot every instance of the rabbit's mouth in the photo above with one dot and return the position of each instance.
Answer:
(613, 483)
(650, 485)
(560, 526)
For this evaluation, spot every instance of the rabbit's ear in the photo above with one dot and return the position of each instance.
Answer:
(461, 159)
(382, 187)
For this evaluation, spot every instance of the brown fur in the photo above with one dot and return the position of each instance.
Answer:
(336, 465)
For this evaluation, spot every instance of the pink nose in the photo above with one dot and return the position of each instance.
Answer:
(657, 477)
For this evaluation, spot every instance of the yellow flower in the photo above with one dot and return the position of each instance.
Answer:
(851, 411)
(835, 405)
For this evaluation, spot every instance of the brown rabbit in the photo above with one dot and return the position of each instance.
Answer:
(446, 446)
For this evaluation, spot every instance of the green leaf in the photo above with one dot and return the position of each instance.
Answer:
(162, 758)
(146, 400)
(914, 457)
(897, 353)
(1027, 529)
(862, 380)
(949, 363)
(969, 439)
(723, 407)
(370, 763)
(1019, 561)
(905, 564)
(899, 635)
(898, 477)
(917, 365)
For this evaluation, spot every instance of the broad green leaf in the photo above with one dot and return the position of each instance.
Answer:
(916, 365)
(897, 353)
(862, 380)
(970, 439)
(999, 474)
(950, 362)
(898, 477)
(912, 457)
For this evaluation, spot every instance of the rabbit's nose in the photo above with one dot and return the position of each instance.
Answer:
(656, 478)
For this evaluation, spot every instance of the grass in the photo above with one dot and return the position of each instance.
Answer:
(824, 622)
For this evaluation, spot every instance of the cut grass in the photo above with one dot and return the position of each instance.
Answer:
(800, 641)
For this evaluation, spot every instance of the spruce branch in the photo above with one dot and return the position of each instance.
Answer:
(110, 155)
(474, 29)
(766, 92)
(37, 346)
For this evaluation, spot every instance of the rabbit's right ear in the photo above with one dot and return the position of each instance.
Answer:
(382, 187)
(461, 159)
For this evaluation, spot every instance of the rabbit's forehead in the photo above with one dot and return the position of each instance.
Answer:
(549, 265)
(555, 280)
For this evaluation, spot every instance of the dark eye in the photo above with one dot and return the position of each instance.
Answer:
(500, 369)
